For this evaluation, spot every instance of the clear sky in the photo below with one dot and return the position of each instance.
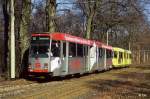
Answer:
(62, 4)
(147, 11)
(69, 6)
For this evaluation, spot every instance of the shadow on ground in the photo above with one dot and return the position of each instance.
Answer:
(45, 79)
(120, 89)
(129, 85)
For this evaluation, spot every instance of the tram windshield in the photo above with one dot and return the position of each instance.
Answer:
(40, 47)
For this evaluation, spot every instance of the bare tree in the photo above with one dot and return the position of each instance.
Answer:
(38, 24)
(89, 8)
(6, 69)
(50, 15)
(23, 16)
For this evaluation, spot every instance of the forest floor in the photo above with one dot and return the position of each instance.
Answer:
(125, 83)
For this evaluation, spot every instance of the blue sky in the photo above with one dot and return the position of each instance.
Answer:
(147, 11)
(61, 4)
(69, 6)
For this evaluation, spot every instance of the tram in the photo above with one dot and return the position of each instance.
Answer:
(121, 57)
(60, 54)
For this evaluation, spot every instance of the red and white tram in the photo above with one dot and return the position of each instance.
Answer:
(60, 54)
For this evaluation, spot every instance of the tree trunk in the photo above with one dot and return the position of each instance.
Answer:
(89, 25)
(90, 15)
(6, 69)
(50, 15)
(24, 37)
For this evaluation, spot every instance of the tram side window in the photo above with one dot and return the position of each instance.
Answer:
(101, 52)
(124, 55)
(80, 50)
(64, 49)
(72, 49)
(120, 55)
(55, 48)
(111, 54)
(115, 54)
(108, 53)
(85, 50)
(130, 56)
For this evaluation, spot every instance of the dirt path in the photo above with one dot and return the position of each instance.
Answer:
(126, 83)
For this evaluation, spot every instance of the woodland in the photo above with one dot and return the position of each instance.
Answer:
(127, 23)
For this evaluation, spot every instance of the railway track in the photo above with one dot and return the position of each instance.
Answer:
(131, 83)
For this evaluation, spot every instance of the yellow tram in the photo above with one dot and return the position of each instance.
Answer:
(121, 57)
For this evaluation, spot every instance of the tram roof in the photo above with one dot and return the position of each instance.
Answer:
(128, 51)
(71, 38)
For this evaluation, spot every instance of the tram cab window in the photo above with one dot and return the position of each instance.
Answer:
(41, 51)
(39, 47)
(55, 48)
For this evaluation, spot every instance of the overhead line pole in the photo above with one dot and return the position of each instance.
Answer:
(12, 40)
(105, 58)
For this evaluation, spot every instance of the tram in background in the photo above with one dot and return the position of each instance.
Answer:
(60, 54)
(121, 57)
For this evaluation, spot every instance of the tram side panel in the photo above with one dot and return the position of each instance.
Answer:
(76, 59)
(108, 59)
(118, 57)
(101, 59)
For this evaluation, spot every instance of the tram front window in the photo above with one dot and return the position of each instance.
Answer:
(40, 51)
(40, 47)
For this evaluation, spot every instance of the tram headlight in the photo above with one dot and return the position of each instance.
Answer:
(45, 65)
